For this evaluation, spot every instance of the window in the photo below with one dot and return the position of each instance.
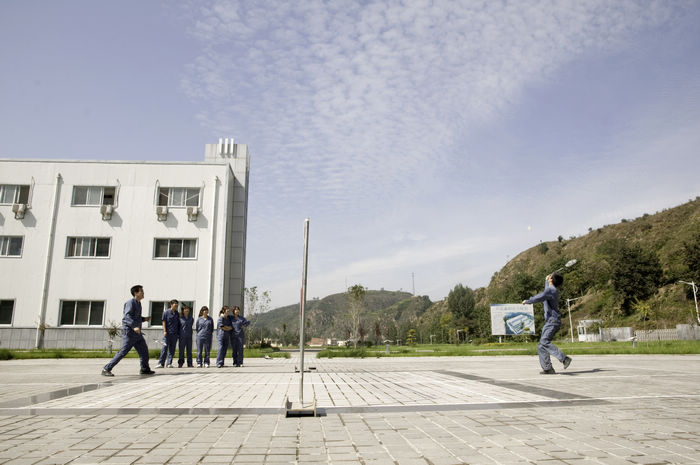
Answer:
(11, 246)
(6, 309)
(179, 197)
(10, 194)
(175, 248)
(157, 309)
(82, 312)
(88, 247)
(93, 195)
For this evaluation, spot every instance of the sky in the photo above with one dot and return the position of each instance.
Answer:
(428, 142)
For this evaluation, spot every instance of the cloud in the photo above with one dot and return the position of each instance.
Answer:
(353, 109)
(343, 94)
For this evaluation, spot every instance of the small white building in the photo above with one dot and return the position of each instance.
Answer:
(76, 235)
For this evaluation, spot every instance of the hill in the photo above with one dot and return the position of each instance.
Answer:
(626, 274)
(327, 317)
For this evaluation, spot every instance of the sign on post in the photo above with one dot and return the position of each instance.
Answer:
(512, 319)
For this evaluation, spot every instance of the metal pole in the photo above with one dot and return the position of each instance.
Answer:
(301, 311)
(571, 325)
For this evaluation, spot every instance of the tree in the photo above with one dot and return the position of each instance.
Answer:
(356, 300)
(411, 337)
(460, 301)
(691, 258)
(256, 303)
(636, 273)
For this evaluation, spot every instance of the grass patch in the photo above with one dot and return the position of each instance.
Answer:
(426, 350)
(153, 354)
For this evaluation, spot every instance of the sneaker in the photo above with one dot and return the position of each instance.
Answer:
(179, 366)
(160, 365)
(190, 366)
(169, 366)
(548, 372)
(199, 365)
(206, 365)
(567, 362)
(219, 366)
(147, 372)
(107, 373)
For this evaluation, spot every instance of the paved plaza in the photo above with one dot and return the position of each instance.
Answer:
(611, 409)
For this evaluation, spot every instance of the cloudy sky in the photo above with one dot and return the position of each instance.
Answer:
(427, 141)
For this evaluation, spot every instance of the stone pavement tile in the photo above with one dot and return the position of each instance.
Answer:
(220, 459)
(20, 461)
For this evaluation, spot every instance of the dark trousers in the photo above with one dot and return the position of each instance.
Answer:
(169, 344)
(237, 349)
(545, 348)
(131, 339)
(185, 346)
(203, 348)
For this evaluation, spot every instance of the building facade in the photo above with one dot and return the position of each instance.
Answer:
(76, 235)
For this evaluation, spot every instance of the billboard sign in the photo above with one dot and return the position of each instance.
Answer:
(512, 319)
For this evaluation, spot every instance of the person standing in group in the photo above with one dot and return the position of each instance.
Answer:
(185, 344)
(238, 322)
(171, 334)
(222, 334)
(205, 330)
(131, 334)
(552, 324)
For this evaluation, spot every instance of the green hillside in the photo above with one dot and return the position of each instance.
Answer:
(626, 275)
(327, 317)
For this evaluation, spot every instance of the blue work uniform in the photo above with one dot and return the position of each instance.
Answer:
(131, 320)
(237, 339)
(205, 330)
(223, 339)
(171, 320)
(552, 324)
(185, 340)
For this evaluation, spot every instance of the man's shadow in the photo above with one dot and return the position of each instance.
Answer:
(582, 372)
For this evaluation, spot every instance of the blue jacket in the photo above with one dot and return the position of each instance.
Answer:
(186, 327)
(238, 324)
(132, 315)
(550, 297)
(223, 321)
(171, 320)
(205, 327)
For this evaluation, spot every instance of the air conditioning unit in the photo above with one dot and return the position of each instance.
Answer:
(18, 209)
(106, 212)
(192, 213)
(162, 212)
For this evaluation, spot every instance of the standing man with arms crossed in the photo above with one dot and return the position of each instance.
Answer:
(131, 334)
(552, 323)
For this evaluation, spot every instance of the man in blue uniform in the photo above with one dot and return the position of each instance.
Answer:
(186, 323)
(552, 323)
(171, 334)
(237, 336)
(131, 334)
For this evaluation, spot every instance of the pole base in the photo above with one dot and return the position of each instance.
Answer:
(297, 409)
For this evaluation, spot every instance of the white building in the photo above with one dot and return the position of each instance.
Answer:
(76, 235)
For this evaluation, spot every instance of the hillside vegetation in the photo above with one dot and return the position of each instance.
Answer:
(626, 275)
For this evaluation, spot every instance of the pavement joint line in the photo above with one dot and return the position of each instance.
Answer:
(321, 411)
(544, 392)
